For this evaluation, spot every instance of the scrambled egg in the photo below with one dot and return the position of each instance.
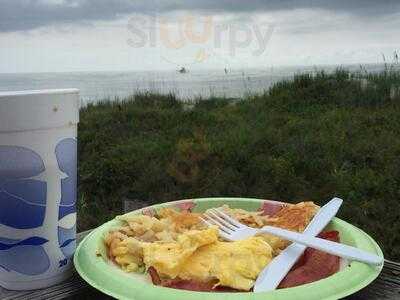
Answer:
(199, 255)
(178, 245)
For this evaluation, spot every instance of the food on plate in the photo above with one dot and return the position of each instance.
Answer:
(313, 265)
(291, 217)
(200, 256)
(178, 250)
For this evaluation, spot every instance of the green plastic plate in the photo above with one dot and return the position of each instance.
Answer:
(109, 279)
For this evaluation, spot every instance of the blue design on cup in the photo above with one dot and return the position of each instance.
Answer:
(67, 162)
(67, 241)
(66, 210)
(22, 200)
(26, 256)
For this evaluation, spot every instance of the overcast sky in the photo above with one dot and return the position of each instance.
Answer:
(117, 35)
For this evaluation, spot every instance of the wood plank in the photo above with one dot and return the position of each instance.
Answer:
(386, 286)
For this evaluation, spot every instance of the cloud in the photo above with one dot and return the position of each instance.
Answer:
(21, 15)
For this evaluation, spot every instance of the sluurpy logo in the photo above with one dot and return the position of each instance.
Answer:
(67, 161)
(198, 38)
(22, 206)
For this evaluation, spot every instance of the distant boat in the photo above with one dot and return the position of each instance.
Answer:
(183, 70)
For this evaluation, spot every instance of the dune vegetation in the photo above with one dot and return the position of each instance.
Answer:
(311, 137)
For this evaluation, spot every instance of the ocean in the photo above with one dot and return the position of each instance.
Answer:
(95, 86)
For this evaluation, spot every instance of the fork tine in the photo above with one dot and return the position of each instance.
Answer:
(221, 233)
(229, 218)
(209, 221)
(225, 236)
(220, 226)
(205, 221)
(221, 220)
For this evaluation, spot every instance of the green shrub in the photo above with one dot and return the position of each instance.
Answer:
(313, 137)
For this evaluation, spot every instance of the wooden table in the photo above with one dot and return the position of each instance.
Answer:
(386, 286)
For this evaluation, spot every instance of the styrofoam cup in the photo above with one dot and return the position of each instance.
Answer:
(38, 175)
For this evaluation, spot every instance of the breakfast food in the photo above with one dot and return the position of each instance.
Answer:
(313, 265)
(178, 250)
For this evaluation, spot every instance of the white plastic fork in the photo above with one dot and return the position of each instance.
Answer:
(231, 230)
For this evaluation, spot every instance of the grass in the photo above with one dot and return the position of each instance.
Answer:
(308, 138)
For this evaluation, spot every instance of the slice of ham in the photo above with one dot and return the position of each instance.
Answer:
(270, 208)
(313, 265)
(189, 285)
(155, 278)
(186, 206)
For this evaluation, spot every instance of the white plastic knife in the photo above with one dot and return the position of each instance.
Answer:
(277, 269)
